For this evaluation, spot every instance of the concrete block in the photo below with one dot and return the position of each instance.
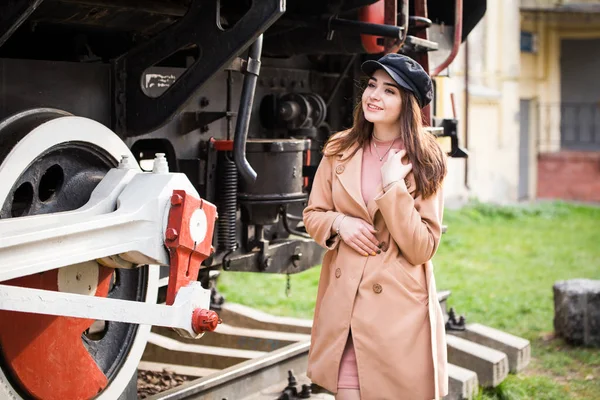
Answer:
(246, 317)
(463, 383)
(239, 338)
(518, 350)
(491, 366)
(577, 311)
(162, 349)
(443, 299)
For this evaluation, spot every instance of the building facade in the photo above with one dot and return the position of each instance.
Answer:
(525, 90)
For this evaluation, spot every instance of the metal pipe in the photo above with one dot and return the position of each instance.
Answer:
(228, 104)
(467, 111)
(458, 22)
(243, 120)
(286, 225)
(423, 58)
(341, 78)
(425, 22)
(365, 28)
(405, 22)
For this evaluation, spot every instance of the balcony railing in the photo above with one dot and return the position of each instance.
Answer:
(580, 126)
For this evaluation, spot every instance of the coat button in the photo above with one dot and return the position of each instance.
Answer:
(338, 273)
(377, 288)
(339, 169)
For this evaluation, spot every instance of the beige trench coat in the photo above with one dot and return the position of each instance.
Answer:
(389, 300)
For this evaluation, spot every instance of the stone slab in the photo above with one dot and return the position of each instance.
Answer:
(239, 338)
(518, 350)
(491, 366)
(463, 383)
(246, 317)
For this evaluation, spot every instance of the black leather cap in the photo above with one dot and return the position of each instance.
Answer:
(406, 72)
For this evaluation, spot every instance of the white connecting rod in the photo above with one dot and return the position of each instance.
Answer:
(179, 315)
(126, 215)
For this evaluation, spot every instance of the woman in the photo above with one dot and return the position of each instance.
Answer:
(376, 205)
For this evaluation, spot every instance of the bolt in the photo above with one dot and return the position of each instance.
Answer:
(160, 164)
(176, 200)
(204, 102)
(204, 320)
(171, 234)
(126, 162)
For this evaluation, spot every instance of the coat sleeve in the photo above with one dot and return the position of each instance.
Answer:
(320, 214)
(414, 224)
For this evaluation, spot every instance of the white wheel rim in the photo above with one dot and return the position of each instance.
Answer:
(46, 135)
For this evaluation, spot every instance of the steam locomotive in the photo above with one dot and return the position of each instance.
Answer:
(144, 144)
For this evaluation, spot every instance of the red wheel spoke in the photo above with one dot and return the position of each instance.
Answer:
(45, 353)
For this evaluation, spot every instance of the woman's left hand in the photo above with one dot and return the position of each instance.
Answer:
(394, 169)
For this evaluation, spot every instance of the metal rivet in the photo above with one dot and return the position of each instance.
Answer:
(171, 234)
(176, 200)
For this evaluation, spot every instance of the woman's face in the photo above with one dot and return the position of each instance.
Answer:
(381, 102)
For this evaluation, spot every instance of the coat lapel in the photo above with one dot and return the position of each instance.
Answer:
(349, 174)
(372, 207)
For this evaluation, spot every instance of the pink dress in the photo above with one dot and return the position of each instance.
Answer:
(370, 181)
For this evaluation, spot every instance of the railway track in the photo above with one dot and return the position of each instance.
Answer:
(264, 377)
(257, 356)
(253, 357)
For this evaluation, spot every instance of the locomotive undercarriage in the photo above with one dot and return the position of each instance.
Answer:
(238, 96)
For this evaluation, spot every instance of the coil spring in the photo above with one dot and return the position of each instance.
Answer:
(227, 193)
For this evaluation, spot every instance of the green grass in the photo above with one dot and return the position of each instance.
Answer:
(500, 264)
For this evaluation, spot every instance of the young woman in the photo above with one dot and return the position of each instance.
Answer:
(377, 206)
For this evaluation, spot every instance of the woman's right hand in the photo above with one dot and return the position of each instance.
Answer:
(359, 235)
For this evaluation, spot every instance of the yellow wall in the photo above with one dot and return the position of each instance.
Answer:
(540, 75)
(493, 129)
(499, 76)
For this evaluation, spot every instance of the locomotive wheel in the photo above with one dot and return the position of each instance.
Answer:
(50, 162)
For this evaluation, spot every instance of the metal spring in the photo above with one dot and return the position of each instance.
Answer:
(227, 202)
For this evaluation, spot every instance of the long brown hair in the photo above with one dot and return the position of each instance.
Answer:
(427, 158)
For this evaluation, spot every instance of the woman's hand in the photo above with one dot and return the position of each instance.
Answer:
(394, 169)
(359, 235)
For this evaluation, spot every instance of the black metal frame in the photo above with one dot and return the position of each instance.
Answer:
(135, 113)
(288, 256)
(13, 14)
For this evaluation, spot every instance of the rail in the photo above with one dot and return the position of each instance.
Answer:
(244, 379)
